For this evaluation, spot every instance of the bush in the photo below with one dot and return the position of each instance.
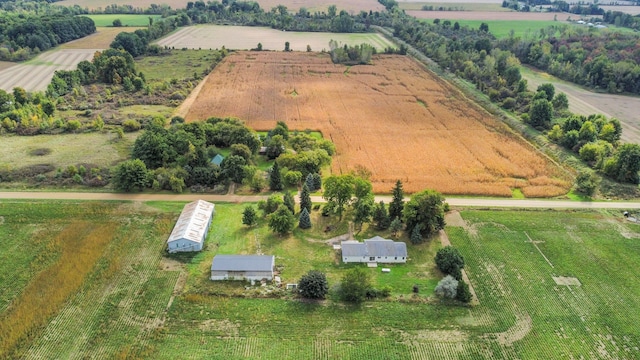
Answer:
(354, 286)
(73, 125)
(313, 285)
(462, 292)
(131, 125)
(447, 287)
(449, 261)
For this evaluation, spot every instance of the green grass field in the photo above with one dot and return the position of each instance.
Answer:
(126, 19)
(177, 64)
(502, 28)
(120, 308)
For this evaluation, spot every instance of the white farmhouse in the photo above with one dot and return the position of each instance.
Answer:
(192, 227)
(374, 250)
(243, 267)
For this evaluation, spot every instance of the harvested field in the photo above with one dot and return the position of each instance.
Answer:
(101, 39)
(6, 64)
(489, 15)
(632, 10)
(247, 37)
(393, 118)
(36, 74)
(143, 4)
(585, 102)
(351, 6)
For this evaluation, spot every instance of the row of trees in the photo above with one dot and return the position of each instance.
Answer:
(27, 33)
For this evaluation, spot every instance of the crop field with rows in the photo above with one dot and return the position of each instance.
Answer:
(392, 118)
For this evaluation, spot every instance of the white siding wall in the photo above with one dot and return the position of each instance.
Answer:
(184, 245)
(380, 259)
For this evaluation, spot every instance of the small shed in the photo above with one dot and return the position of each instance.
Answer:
(243, 267)
(217, 160)
(374, 250)
(192, 227)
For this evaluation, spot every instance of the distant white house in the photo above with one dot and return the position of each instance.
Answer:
(192, 227)
(243, 267)
(374, 250)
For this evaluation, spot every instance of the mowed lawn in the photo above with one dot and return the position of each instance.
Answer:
(503, 28)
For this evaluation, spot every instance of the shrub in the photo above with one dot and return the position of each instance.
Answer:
(131, 125)
(449, 261)
(313, 285)
(447, 287)
(462, 292)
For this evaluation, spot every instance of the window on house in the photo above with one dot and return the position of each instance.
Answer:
(372, 258)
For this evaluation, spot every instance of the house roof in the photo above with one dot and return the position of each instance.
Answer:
(243, 263)
(217, 159)
(193, 221)
(376, 246)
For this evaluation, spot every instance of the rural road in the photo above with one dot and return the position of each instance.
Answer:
(462, 202)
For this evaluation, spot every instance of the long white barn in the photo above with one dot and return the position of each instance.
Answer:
(374, 250)
(192, 227)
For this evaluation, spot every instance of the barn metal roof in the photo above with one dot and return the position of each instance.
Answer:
(193, 221)
(376, 246)
(243, 263)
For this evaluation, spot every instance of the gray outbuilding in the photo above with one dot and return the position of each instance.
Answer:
(192, 227)
(243, 267)
(374, 250)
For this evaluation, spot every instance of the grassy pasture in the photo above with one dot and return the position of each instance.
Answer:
(177, 64)
(65, 149)
(502, 28)
(106, 20)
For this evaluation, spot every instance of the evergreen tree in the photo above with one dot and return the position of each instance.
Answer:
(305, 198)
(463, 294)
(275, 178)
(249, 216)
(317, 181)
(397, 204)
(381, 217)
(395, 226)
(416, 236)
(289, 202)
(282, 221)
(309, 182)
(305, 219)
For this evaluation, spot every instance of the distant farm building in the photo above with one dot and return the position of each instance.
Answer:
(217, 160)
(374, 250)
(192, 227)
(243, 267)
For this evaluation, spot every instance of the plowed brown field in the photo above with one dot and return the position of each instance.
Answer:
(393, 118)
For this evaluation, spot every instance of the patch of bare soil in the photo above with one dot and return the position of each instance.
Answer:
(517, 332)
(569, 281)
(453, 218)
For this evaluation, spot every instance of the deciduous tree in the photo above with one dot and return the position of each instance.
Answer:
(427, 209)
(338, 191)
(354, 285)
(282, 221)
(447, 287)
(130, 174)
(449, 261)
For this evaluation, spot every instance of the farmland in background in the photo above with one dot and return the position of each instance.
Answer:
(491, 15)
(36, 74)
(106, 20)
(513, 257)
(502, 28)
(392, 118)
(142, 4)
(586, 102)
(246, 37)
(455, 6)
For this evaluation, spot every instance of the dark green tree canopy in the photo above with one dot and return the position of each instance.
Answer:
(425, 208)
(313, 285)
(449, 261)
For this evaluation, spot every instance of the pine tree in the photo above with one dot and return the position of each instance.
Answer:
(305, 198)
(317, 181)
(395, 226)
(397, 204)
(381, 217)
(289, 202)
(309, 182)
(249, 216)
(275, 179)
(305, 219)
(416, 236)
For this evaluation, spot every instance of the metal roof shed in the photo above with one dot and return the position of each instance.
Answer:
(376, 249)
(242, 267)
(192, 227)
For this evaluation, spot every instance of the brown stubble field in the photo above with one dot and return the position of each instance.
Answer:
(393, 118)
